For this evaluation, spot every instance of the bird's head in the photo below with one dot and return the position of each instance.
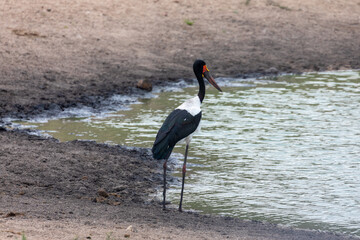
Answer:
(201, 71)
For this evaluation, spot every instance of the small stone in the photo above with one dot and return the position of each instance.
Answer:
(119, 188)
(13, 214)
(144, 84)
(103, 193)
(131, 229)
(127, 235)
(272, 70)
(10, 214)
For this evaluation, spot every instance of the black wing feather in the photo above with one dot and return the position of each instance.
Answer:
(178, 125)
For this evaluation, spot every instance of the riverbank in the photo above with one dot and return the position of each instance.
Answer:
(53, 190)
(58, 55)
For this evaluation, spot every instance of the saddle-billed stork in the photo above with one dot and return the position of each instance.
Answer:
(181, 124)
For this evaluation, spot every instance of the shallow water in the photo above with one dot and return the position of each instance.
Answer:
(285, 151)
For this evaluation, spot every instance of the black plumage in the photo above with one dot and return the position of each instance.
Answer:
(177, 126)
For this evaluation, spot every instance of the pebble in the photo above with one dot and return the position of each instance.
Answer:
(119, 188)
(103, 193)
(272, 70)
(144, 84)
(13, 214)
(131, 228)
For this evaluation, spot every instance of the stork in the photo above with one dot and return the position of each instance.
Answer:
(181, 124)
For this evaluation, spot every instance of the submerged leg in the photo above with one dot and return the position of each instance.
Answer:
(164, 192)
(183, 177)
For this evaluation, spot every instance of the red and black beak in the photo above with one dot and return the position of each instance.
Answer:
(211, 80)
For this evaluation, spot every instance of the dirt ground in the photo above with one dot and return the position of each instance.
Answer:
(58, 54)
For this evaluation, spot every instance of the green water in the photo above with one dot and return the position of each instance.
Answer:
(286, 151)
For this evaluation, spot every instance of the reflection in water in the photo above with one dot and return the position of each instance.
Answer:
(286, 151)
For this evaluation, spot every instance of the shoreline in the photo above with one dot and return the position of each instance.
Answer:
(64, 54)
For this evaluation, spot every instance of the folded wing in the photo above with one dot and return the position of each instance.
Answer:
(177, 126)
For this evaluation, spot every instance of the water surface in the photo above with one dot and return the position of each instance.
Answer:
(286, 151)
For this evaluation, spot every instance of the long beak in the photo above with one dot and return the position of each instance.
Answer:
(211, 80)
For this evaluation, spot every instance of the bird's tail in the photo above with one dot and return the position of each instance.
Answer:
(162, 150)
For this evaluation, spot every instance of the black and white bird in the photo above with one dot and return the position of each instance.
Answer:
(181, 124)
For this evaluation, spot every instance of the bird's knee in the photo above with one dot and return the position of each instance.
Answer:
(184, 169)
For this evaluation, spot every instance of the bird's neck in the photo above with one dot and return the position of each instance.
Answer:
(201, 93)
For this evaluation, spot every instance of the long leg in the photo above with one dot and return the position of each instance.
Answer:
(164, 192)
(183, 177)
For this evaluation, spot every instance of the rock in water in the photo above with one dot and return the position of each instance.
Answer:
(145, 85)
